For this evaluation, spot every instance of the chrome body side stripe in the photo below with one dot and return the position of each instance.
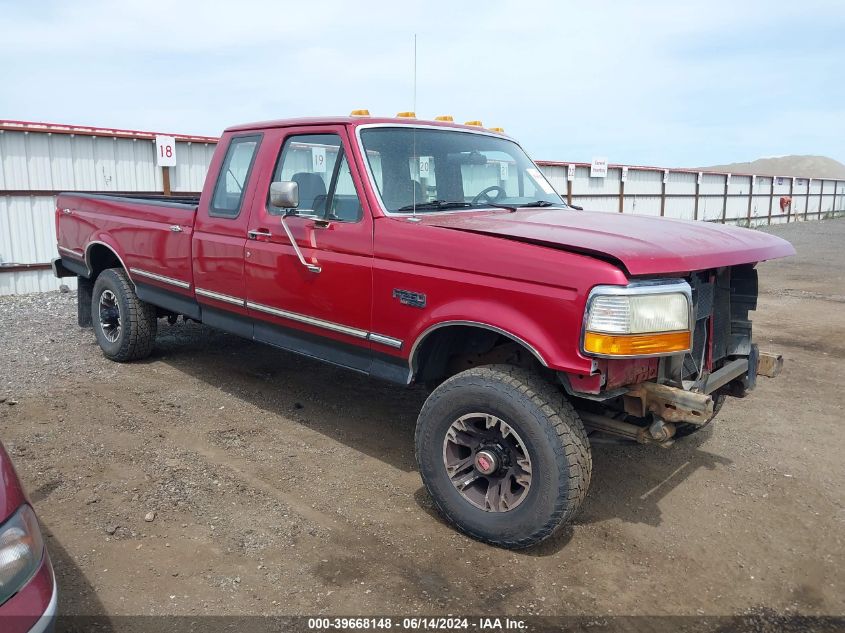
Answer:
(167, 280)
(301, 318)
(385, 340)
(220, 297)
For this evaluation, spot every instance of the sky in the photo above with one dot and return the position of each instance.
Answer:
(662, 83)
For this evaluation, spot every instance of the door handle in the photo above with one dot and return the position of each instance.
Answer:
(175, 228)
(254, 234)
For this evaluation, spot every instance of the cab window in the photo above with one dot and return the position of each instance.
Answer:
(233, 177)
(319, 167)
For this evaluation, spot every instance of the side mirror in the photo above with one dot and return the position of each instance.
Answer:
(284, 194)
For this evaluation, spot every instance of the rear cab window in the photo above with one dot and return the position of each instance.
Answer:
(233, 177)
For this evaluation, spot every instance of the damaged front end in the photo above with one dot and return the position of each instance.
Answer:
(653, 399)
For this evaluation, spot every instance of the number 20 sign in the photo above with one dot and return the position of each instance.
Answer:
(165, 151)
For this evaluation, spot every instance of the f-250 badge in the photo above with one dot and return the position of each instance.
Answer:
(409, 298)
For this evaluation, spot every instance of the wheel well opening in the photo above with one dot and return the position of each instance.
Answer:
(454, 348)
(101, 257)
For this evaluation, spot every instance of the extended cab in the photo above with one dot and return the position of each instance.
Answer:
(437, 253)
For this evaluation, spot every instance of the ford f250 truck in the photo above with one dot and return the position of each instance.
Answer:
(435, 253)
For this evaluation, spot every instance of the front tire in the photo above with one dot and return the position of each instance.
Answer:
(124, 325)
(503, 455)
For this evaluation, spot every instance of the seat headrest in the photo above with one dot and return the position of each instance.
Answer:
(311, 186)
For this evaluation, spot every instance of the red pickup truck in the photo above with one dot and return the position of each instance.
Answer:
(435, 253)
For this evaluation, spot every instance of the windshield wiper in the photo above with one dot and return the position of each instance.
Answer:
(509, 207)
(435, 205)
(540, 203)
(514, 207)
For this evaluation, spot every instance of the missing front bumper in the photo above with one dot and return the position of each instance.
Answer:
(695, 406)
(668, 403)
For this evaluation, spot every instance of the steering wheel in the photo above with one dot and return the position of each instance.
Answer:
(485, 193)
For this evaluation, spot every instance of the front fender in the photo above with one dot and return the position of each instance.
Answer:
(550, 330)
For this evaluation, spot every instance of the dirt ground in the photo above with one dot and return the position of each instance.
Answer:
(283, 486)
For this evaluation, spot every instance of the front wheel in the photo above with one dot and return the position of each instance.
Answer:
(124, 325)
(503, 454)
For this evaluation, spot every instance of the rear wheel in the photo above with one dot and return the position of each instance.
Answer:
(503, 454)
(124, 325)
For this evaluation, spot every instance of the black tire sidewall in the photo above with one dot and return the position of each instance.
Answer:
(540, 505)
(109, 280)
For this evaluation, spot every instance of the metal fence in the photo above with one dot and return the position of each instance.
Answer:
(37, 161)
(744, 199)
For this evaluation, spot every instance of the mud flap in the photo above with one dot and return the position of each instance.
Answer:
(84, 292)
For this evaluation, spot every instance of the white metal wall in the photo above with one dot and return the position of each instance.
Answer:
(36, 163)
(44, 162)
(743, 199)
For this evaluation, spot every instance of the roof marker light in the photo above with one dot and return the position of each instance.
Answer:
(444, 117)
(474, 123)
(360, 113)
(406, 115)
(500, 130)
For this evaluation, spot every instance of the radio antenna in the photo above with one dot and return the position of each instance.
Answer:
(415, 72)
(414, 131)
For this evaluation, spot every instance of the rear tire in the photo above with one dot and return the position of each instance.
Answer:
(124, 325)
(518, 416)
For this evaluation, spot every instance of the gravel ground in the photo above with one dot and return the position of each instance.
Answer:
(278, 485)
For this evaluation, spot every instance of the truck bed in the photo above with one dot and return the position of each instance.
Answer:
(189, 202)
(150, 235)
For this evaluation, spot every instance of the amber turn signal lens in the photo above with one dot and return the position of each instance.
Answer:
(636, 344)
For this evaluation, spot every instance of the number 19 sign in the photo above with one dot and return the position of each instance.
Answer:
(165, 151)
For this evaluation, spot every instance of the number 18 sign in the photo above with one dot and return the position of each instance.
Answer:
(165, 151)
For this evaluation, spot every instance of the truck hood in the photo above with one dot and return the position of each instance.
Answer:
(641, 245)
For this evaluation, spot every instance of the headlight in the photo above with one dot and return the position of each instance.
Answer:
(21, 549)
(645, 319)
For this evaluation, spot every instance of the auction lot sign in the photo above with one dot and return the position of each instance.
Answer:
(165, 151)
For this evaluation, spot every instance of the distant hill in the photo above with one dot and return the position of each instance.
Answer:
(803, 166)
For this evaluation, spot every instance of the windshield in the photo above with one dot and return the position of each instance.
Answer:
(426, 170)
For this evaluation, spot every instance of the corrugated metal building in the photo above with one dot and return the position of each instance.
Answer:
(40, 160)
(37, 161)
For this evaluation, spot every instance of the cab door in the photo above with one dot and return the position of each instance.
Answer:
(219, 238)
(322, 309)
